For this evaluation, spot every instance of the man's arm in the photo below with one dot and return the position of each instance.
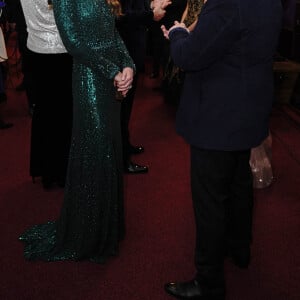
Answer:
(217, 29)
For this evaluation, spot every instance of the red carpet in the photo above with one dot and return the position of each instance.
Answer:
(160, 228)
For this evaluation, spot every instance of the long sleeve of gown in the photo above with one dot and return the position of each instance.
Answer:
(87, 43)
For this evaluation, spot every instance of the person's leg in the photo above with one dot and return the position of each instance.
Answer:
(211, 175)
(38, 134)
(51, 121)
(126, 109)
(28, 79)
(239, 208)
(128, 149)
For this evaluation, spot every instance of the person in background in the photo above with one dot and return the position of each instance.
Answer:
(3, 57)
(17, 20)
(91, 222)
(223, 113)
(51, 71)
(160, 45)
(132, 26)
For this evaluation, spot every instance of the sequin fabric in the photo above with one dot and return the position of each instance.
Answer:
(194, 8)
(43, 36)
(91, 222)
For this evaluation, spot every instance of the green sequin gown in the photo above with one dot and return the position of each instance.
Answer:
(91, 221)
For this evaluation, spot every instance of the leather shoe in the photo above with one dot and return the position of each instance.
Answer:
(193, 291)
(136, 149)
(133, 168)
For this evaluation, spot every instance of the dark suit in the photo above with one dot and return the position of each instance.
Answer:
(132, 28)
(224, 111)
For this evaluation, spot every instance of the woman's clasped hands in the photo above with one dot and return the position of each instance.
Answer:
(123, 81)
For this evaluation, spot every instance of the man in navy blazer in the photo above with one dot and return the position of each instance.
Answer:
(223, 113)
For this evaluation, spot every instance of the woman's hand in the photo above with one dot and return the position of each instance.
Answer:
(123, 80)
(158, 8)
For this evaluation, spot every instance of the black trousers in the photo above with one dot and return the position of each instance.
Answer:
(222, 193)
(52, 117)
(126, 110)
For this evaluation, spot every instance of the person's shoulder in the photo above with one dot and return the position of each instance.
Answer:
(231, 6)
(222, 3)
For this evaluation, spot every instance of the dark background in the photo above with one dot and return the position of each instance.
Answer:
(289, 43)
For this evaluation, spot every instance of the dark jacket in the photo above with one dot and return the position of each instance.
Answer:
(174, 13)
(228, 90)
(132, 26)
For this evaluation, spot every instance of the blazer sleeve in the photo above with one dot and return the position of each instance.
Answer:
(216, 31)
(67, 15)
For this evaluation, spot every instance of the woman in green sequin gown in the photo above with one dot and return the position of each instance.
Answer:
(91, 222)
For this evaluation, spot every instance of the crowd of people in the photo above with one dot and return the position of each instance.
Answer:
(219, 51)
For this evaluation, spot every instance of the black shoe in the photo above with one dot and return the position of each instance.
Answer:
(193, 291)
(4, 125)
(133, 168)
(240, 256)
(136, 149)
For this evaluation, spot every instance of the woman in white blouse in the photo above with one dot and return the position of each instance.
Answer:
(52, 88)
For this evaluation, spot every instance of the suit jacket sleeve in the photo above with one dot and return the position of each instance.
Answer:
(216, 31)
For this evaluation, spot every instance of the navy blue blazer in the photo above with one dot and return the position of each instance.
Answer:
(228, 90)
